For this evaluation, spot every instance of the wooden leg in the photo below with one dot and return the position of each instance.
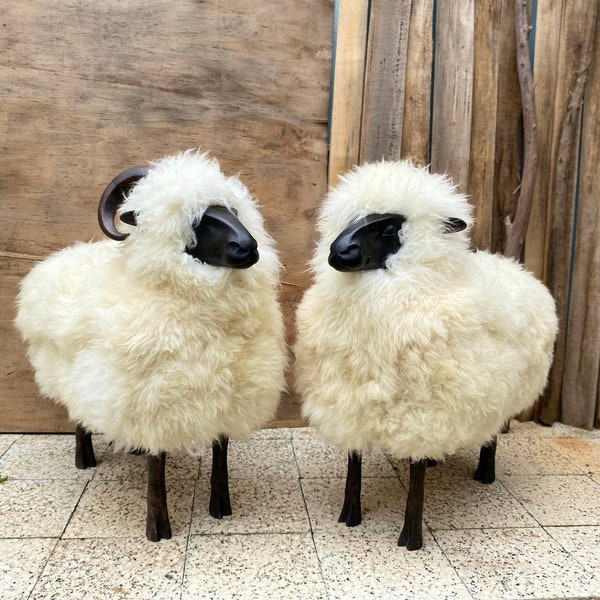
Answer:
(351, 513)
(84, 449)
(219, 505)
(486, 469)
(157, 518)
(412, 532)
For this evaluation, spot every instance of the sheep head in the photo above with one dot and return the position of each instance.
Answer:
(390, 213)
(183, 205)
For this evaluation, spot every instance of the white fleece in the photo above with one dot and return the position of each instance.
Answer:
(144, 343)
(435, 352)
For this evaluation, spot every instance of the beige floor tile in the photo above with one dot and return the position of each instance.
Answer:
(275, 433)
(584, 453)
(32, 509)
(583, 543)
(21, 562)
(43, 457)
(558, 499)
(117, 509)
(529, 428)
(258, 506)
(382, 503)
(256, 459)
(273, 567)
(110, 569)
(515, 563)
(530, 455)
(7, 440)
(131, 467)
(462, 503)
(358, 565)
(316, 458)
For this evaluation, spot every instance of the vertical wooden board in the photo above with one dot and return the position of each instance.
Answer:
(545, 65)
(417, 95)
(453, 91)
(509, 134)
(86, 94)
(348, 85)
(383, 104)
(582, 358)
(577, 32)
(484, 124)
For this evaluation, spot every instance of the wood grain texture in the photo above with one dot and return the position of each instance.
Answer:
(453, 91)
(579, 401)
(348, 86)
(417, 95)
(545, 66)
(484, 120)
(385, 75)
(88, 89)
(578, 29)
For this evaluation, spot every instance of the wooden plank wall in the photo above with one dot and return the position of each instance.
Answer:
(452, 66)
(88, 89)
(427, 79)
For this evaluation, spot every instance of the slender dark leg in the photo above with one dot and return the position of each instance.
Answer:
(351, 513)
(431, 462)
(412, 532)
(219, 505)
(486, 469)
(84, 449)
(157, 519)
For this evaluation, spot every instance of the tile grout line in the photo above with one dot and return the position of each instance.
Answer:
(39, 577)
(312, 533)
(189, 533)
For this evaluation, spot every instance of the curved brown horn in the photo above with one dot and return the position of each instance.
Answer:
(113, 197)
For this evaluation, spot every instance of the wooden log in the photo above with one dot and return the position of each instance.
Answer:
(453, 91)
(580, 400)
(484, 120)
(383, 103)
(348, 86)
(576, 50)
(417, 95)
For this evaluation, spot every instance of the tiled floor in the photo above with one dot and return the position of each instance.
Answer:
(535, 533)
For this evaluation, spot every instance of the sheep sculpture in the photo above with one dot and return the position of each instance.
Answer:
(411, 343)
(168, 336)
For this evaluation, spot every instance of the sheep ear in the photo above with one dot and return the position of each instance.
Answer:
(128, 217)
(453, 225)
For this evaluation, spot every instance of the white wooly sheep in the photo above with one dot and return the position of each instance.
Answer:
(171, 337)
(412, 343)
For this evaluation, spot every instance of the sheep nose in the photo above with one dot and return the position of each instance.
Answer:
(242, 256)
(346, 258)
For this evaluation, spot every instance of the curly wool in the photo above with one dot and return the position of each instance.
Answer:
(147, 345)
(431, 354)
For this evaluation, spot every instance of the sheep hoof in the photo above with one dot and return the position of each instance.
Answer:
(485, 475)
(351, 514)
(158, 528)
(219, 506)
(84, 449)
(410, 538)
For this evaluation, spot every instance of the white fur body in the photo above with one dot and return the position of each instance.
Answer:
(431, 354)
(147, 345)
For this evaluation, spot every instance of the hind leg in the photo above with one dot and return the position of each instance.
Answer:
(84, 449)
(486, 469)
(219, 505)
(157, 518)
(351, 512)
(412, 532)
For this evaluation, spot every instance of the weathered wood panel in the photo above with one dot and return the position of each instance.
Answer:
(453, 91)
(417, 96)
(387, 48)
(348, 86)
(88, 89)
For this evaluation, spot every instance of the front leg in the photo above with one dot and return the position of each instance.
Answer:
(84, 449)
(157, 518)
(219, 505)
(351, 513)
(412, 532)
(486, 469)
